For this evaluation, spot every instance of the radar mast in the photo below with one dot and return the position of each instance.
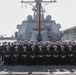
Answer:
(38, 10)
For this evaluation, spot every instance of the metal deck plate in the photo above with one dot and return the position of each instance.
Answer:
(38, 70)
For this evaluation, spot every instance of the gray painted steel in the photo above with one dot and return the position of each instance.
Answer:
(28, 30)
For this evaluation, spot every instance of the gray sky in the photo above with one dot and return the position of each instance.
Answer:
(11, 14)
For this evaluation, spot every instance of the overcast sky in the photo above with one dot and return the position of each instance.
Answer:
(11, 14)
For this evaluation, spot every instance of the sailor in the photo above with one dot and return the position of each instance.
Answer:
(7, 56)
(32, 55)
(29, 48)
(40, 56)
(20, 49)
(26, 43)
(15, 57)
(74, 50)
(32, 42)
(55, 55)
(3, 49)
(24, 59)
(62, 56)
(0, 53)
(66, 49)
(74, 46)
(12, 49)
(70, 55)
(36, 48)
(48, 55)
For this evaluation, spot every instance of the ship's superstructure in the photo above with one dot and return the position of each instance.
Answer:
(37, 27)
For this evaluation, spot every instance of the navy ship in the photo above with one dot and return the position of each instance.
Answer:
(36, 27)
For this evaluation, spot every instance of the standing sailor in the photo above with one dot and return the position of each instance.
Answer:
(7, 56)
(15, 57)
(40, 56)
(33, 60)
(70, 55)
(62, 56)
(55, 55)
(3, 49)
(48, 55)
(24, 56)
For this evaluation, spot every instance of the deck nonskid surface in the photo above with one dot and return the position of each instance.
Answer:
(38, 70)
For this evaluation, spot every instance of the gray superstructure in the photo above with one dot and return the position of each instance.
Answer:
(49, 30)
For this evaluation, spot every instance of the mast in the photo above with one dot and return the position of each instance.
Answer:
(39, 37)
(39, 22)
(38, 9)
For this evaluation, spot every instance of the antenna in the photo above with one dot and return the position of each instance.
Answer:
(21, 6)
(48, 2)
(35, 6)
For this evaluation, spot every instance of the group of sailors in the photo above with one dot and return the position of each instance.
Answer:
(39, 53)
